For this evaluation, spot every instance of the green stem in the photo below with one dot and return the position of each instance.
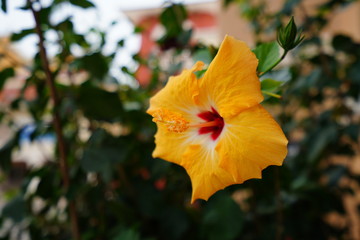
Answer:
(274, 65)
(271, 94)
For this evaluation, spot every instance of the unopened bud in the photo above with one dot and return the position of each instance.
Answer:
(288, 37)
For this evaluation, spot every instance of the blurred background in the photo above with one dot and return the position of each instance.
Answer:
(107, 58)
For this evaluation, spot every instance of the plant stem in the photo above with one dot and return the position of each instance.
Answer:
(271, 94)
(275, 64)
(64, 169)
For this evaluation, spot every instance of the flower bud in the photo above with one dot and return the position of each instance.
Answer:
(288, 37)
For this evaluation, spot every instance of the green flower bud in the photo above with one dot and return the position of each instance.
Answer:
(288, 37)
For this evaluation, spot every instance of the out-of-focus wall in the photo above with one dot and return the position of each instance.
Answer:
(229, 20)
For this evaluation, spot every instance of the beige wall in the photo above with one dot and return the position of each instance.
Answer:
(344, 21)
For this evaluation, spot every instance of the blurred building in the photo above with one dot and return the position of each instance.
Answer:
(211, 21)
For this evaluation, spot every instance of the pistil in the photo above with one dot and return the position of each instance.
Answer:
(175, 122)
(214, 123)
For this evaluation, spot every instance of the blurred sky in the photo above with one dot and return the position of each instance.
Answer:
(102, 17)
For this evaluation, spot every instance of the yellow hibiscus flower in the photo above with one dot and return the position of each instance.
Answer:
(214, 126)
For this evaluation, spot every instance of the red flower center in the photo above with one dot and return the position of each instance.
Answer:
(215, 123)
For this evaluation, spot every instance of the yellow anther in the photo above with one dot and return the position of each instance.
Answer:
(173, 121)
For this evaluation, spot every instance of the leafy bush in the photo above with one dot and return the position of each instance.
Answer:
(103, 182)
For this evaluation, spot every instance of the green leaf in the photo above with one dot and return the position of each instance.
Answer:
(50, 183)
(15, 209)
(200, 73)
(5, 74)
(223, 218)
(268, 55)
(95, 159)
(96, 64)
(23, 33)
(354, 73)
(5, 155)
(352, 131)
(184, 37)
(100, 161)
(270, 85)
(335, 173)
(100, 104)
(128, 234)
(3, 5)
(319, 140)
(82, 3)
(6, 152)
(343, 43)
(103, 152)
(173, 222)
(121, 43)
(172, 19)
(203, 55)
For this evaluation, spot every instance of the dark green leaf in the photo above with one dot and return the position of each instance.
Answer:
(96, 64)
(121, 43)
(268, 54)
(103, 153)
(320, 139)
(3, 6)
(82, 3)
(172, 18)
(343, 43)
(100, 160)
(352, 131)
(335, 173)
(354, 73)
(173, 223)
(6, 152)
(5, 74)
(15, 209)
(50, 183)
(95, 160)
(223, 219)
(128, 234)
(100, 104)
(23, 33)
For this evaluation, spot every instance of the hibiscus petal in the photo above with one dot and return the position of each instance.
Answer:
(231, 82)
(179, 94)
(170, 146)
(201, 163)
(251, 141)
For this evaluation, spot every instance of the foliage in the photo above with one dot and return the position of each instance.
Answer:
(121, 192)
